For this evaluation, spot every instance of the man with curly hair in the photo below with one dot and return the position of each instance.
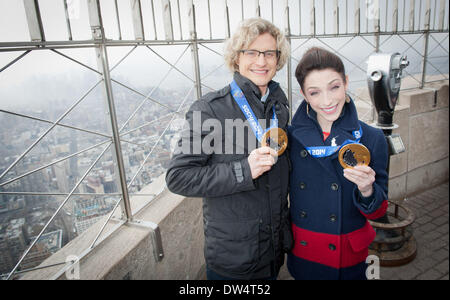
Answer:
(244, 188)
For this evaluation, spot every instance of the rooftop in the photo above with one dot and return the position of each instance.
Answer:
(92, 91)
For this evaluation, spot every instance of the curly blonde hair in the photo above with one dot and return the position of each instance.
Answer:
(247, 32)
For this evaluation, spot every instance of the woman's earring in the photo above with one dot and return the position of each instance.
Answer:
(307, 107)
(347, 98)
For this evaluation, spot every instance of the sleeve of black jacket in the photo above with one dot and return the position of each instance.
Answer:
(191, 175)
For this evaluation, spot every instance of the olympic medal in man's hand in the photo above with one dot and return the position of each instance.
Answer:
(275, 138)
(352, 155)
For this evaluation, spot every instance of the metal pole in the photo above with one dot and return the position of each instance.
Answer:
(357, 17)
(115, 131)
(346, 16)
(312, 14)
(441, 15)
(98, 34)
(179, 20)
(136, 16)
(336, 17)
(425, 47)
(167, 19)
(404, 14)
(377, 25)
(118, 19)
(209, 20)
(412, 5)
(227, 20)
(300, 17)
(258, 9)
(154, 19)
(69, 29)
(324, 18)
(394, 17)
(367, 15)
(385, 16)
(271, 10)
(289, 62)
(194, 49)
(34, 20)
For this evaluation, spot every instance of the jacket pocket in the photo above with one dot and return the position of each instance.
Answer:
(361, 239)
(232, 246)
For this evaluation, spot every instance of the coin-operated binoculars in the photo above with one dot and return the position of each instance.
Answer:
(384, 73)
(394, 243)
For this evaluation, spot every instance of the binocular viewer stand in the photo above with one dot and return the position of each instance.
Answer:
(394, 243)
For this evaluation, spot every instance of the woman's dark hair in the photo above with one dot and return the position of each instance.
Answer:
(318, 59)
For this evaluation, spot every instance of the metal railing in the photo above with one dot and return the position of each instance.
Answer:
(200, 26)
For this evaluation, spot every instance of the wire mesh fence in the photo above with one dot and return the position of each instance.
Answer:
(91, 91)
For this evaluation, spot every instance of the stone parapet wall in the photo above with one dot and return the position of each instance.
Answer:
(423, 119)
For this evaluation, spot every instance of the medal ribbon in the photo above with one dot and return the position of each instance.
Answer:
(242, 102)
(325, 151)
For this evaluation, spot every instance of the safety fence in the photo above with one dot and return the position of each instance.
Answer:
(79, 148)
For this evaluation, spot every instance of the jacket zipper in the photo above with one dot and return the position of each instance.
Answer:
(269, 198)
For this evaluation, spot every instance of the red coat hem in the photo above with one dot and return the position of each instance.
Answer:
(336, 251)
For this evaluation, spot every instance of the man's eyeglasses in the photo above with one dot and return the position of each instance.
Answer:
(253, 54)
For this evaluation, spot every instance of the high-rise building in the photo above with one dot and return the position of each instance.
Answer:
(88, 211)
(61, 174)
(6, 260)
(47, 244)
(3, 203)
(13, 242)
(94, 185)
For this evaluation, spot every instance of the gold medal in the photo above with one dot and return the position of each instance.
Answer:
(352, 155)
(275, 138)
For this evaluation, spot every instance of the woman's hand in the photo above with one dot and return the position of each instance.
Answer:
(363, 177)
(261, 160)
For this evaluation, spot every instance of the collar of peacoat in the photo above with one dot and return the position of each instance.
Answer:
(306, 129)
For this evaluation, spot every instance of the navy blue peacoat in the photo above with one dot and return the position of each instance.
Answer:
(329, 215)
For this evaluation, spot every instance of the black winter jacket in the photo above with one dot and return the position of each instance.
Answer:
(246, 221)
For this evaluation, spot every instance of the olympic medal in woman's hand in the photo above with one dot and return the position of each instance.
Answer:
(352, 155)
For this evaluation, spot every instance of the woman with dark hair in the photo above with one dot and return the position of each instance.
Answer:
(334, 188)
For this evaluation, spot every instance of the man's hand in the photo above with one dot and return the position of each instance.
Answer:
(363, 177)
(261, 160)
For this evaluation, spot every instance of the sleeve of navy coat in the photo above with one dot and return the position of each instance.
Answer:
(189, 174)
(375, 206)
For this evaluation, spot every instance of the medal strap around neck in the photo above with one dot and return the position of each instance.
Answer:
(242, 102)
(325, 151)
